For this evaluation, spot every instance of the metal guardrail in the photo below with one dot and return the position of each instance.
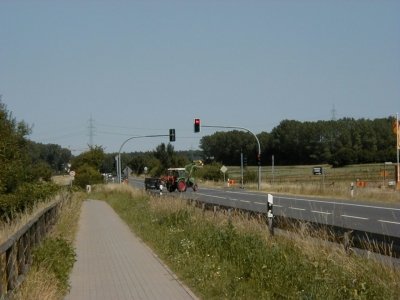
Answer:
(16, 252)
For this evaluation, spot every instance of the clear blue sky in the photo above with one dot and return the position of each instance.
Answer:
(142, 67)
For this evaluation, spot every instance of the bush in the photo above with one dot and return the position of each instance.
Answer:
(25, 197)
(87, 174)
(41, 171)
(211, 172)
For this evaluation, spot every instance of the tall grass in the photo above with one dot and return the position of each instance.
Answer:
(235, 258)
(54, 258)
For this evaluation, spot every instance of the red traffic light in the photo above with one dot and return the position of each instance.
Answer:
(196, 125)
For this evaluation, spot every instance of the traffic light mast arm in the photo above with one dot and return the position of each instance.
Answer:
(131, 138)
(242, 128)
(258, 143)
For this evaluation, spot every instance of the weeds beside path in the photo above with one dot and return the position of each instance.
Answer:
(54, 258)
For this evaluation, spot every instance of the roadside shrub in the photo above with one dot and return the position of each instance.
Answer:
(211, 172)
(41, 171)
(25, 197)
(86, 174)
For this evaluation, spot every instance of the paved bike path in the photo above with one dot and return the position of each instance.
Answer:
(113, 263)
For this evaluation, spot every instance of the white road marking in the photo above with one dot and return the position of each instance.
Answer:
(338, 203)
(243, 193)
(259, 203)
(390, 222)
(297, 208)
(245, 201)
(213, 196)
(276, 205)
(354, 217)
(321, 212)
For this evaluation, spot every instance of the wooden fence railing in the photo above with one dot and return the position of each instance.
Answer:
(16, 252)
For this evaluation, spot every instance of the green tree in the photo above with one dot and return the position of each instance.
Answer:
(94, 158)
(225, 147)
(13, 151)
(167, 158)
(87, 167)
(20, 186)
(54, 155)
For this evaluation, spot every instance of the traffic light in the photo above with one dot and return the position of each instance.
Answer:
(172, 135)
(196, 125)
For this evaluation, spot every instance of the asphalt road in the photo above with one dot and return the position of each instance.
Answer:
(368, 216)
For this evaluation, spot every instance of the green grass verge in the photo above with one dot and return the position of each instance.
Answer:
(236, 259)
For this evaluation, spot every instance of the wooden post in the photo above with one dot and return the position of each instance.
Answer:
(11, 265)
(21, 256)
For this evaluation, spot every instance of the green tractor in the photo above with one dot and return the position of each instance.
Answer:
(181, 178)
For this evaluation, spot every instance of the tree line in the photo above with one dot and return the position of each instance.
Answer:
(340, 142)
(24, 176)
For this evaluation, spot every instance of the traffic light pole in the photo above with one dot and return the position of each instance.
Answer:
(258, 143)
(136, 137)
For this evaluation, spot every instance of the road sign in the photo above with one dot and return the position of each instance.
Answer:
(317, 170)
(223, 169)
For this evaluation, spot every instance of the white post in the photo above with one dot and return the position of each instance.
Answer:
(270, 213)
(352, 189)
